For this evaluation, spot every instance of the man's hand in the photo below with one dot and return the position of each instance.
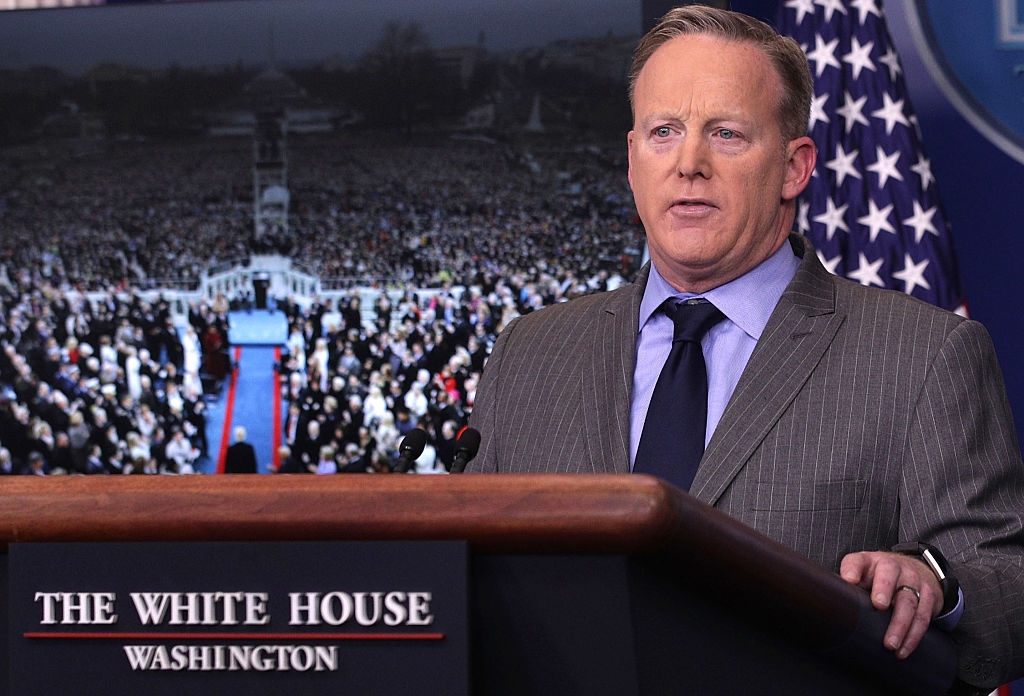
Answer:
(891, 579)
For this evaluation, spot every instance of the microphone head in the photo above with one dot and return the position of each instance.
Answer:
(468, 441)
(413, 444)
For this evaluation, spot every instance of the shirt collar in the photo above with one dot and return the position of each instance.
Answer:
(747, 301)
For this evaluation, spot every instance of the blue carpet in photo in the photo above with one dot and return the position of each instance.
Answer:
(259, 327)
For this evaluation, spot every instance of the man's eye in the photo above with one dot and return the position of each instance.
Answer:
(662, 131)
(726, 134)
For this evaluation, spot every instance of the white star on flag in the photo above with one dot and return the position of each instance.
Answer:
(892, 113)
(824, 54)
(893, 61)
(921, 221)
(802, 7)
(885, 166)
(859, 57)
(923, 169)
(818, 111)
(877, 220)
(830, 7)
(843, 164)
(866, 7)
(912, 275)
(830, 264)
(852, 111)
(833, 218)
(867, 272)
(802, 208)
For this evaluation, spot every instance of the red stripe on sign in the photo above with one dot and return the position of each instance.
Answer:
(237, 636)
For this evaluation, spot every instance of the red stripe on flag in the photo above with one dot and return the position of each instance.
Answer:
(225, 434)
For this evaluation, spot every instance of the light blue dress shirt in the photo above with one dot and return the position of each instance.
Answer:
(746, 302)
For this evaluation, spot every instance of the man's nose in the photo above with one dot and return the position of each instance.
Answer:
(692, 158)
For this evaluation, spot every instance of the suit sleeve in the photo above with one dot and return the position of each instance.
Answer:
(963, 491)
(484, 416)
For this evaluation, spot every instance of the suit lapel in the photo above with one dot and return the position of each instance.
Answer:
(608, 378)
(798, 333)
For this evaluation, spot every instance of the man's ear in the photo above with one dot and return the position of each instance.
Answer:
(801, 155)
(629, 157)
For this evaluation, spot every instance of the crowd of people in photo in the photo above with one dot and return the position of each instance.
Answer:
(106, 387)
(440, 212)
(151, 214)
(354, 389)
(115, 387)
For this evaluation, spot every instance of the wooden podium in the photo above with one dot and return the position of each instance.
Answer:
(579, 584)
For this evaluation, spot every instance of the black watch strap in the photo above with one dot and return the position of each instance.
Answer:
(933, 558)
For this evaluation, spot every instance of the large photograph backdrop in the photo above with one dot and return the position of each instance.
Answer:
(148, 151)
(423, 143)
(428, 144)
(429, 141)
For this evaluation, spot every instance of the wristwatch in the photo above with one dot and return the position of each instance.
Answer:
(933, 558)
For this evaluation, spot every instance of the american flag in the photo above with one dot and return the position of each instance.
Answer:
(872, 209)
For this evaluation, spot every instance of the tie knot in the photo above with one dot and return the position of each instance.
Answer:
(692, 319)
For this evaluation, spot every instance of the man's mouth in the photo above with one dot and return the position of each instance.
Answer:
(693, 204)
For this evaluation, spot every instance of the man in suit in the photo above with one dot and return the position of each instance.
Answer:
(840, 420)
(241, 457)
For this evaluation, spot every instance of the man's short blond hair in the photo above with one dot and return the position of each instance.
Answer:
(785, 55)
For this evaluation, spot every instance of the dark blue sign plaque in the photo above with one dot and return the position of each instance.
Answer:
(231, 618)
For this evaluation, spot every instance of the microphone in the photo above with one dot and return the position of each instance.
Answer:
(410, 450)
(467, 444)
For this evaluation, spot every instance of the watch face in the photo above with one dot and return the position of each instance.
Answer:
(934, 563)
(937, 563)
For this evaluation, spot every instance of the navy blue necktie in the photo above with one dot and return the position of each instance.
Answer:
(672, 442)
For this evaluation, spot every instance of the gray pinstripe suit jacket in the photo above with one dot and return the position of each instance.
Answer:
(863, 418)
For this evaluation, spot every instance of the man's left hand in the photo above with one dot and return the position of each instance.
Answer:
(894, 580)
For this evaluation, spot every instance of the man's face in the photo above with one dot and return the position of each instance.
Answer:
(710, 173)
